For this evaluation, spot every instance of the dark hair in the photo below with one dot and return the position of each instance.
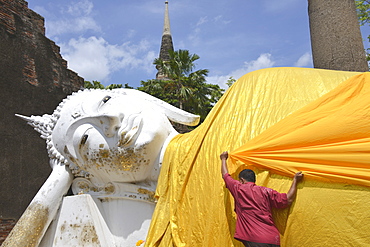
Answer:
(248, 175)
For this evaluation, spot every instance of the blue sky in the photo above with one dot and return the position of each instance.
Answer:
(116, 41)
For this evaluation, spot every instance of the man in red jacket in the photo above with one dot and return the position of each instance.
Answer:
(254, 225)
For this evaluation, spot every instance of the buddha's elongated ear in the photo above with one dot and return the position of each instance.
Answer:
(43, 124)
(173, 113)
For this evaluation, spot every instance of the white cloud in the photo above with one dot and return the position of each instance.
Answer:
(87, 57)
(95, 59)
(205, 23)
(83, 7)
(194, 37)
(263, 61)
(304, 60)
(76, 18)
(220, 19)
(202, 20)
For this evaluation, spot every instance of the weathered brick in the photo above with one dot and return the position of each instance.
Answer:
(6, 225)
(34, 80)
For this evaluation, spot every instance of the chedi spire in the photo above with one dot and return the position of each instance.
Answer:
(166, 44)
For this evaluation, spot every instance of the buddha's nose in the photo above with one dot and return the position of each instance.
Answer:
(111, 124)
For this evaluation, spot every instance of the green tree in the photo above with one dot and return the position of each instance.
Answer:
(93, 85)
(127, 86)
(183, 87)
(363, 13)
(98, 85)
(230, 81)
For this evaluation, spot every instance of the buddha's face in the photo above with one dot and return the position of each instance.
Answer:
(110, 136)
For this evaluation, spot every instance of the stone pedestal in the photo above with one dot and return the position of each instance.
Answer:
(85, 220)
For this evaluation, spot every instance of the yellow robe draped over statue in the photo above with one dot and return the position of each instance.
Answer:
(275, 121)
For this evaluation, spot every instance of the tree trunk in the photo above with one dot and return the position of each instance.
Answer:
(335, 35)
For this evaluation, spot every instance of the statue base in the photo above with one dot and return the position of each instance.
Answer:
(86, 220)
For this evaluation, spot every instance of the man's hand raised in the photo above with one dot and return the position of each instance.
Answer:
(298, 176)
(224, 155)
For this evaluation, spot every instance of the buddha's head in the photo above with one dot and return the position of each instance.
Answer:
(110, 135)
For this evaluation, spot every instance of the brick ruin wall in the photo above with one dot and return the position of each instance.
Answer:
(34, 79)
(6, 225)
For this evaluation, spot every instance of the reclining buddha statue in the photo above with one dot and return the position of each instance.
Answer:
(107, 145)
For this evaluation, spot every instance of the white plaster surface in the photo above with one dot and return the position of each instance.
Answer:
(87, 221)
(81, 224)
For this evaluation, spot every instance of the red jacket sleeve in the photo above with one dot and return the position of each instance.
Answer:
(278, 200)
(231, 183)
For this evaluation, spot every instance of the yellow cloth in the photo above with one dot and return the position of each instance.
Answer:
(318, 133)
